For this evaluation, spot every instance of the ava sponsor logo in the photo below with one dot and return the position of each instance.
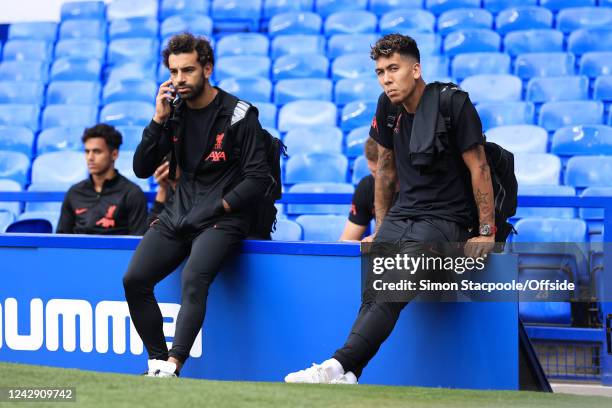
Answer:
(101, 327)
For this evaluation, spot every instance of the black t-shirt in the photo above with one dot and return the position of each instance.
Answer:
(445, 194)
(197, 122)
(362, 205)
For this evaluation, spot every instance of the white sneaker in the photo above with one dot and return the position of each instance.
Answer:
(317, 374)
(162, 369)
(348, 378)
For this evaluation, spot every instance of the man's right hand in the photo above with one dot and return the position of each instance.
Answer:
(369, 238)
(162, 102)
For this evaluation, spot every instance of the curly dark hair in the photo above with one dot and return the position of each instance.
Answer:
(107, 132)
(392, 43)
(188, 43)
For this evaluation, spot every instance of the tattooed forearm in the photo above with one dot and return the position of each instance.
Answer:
(484, 201)
(384, 186)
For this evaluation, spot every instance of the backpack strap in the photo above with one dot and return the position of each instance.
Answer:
(446, 107)
(240, 111)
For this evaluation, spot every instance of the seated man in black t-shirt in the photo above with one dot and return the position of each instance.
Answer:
(445, 188)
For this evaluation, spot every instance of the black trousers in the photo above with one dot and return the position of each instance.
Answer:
(376, 318)
(159, 253)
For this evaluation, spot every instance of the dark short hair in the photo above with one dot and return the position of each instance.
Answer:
(392, 43)
(107, 132)
(371, 149)
(187, 43)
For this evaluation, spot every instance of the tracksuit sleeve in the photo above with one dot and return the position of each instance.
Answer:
(254, 165)
(66, 221)
(152, 148)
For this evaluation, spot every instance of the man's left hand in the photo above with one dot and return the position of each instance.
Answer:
(226, 207)
(479, 246)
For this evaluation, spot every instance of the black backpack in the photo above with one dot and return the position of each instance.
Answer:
(501, 163)
(264, 212)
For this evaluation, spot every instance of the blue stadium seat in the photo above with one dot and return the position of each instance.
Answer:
(34, 223)
(560, 88)
(306, 113)
(589, 171)
(57, 139)
(355, 141)
(295, 22)
(46, 31)
(27, 50)
(609, 118)
(253, 89)
(132, 113)
(428, 43)
(380, 7)
(320, 188)
(602, 89)
(132, 8)
(59, 167)
(491, 87)
(475, 63)
(316, 167)
(360, 169)
(406, 20)
(327, 7)
(300, 66)
(134, 71)
(349, 90)
(47, 206)
(494, 114)
(243, 44)
(14, 166)
(323, 228)
(20, 115)
(350, 22)
(594, 213)
(556, 5)
(545, 190)
(267, 114)
(594, 64)
(297, 44)
(73, 93)
(172, 7)
(287, 230)
(590, 39)
(440, 6)
(129, 90)
(70, 116)
(6, 219)
(322, 139)
(523, 18)
(495, 6)
(340, 44)
(85, 48)
(82, 10)
(274, 7)
(353, 66)
(357, 113)
(88, 29)
(434, 66)
(242, 66)
(131, 136)
(143, 50)
(582, 140)
(230, 15)
(544, 64)
(459, 19)
(537, 168)
(124, 166)
(471, 40)
(137, 27)
(556, 313)
(288, 90)
(197, 24)
(16, 139)
(554, 115)
(22, 92)
(520, 138)
(11, 207)
(75, 69)
(574, 18)
(524, 41)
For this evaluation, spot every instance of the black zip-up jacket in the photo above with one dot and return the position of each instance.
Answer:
(119, 209)
(233, 167)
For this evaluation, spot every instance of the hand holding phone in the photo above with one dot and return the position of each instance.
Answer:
(165, 96)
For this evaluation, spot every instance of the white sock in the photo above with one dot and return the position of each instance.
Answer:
(333, 367)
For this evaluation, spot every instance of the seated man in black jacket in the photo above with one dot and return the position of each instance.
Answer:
(222, 175)
(105, 203)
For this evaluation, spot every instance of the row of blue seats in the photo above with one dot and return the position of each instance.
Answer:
(467, 40)
(343, 22)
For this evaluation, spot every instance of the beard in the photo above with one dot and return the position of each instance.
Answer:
(195, 91)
